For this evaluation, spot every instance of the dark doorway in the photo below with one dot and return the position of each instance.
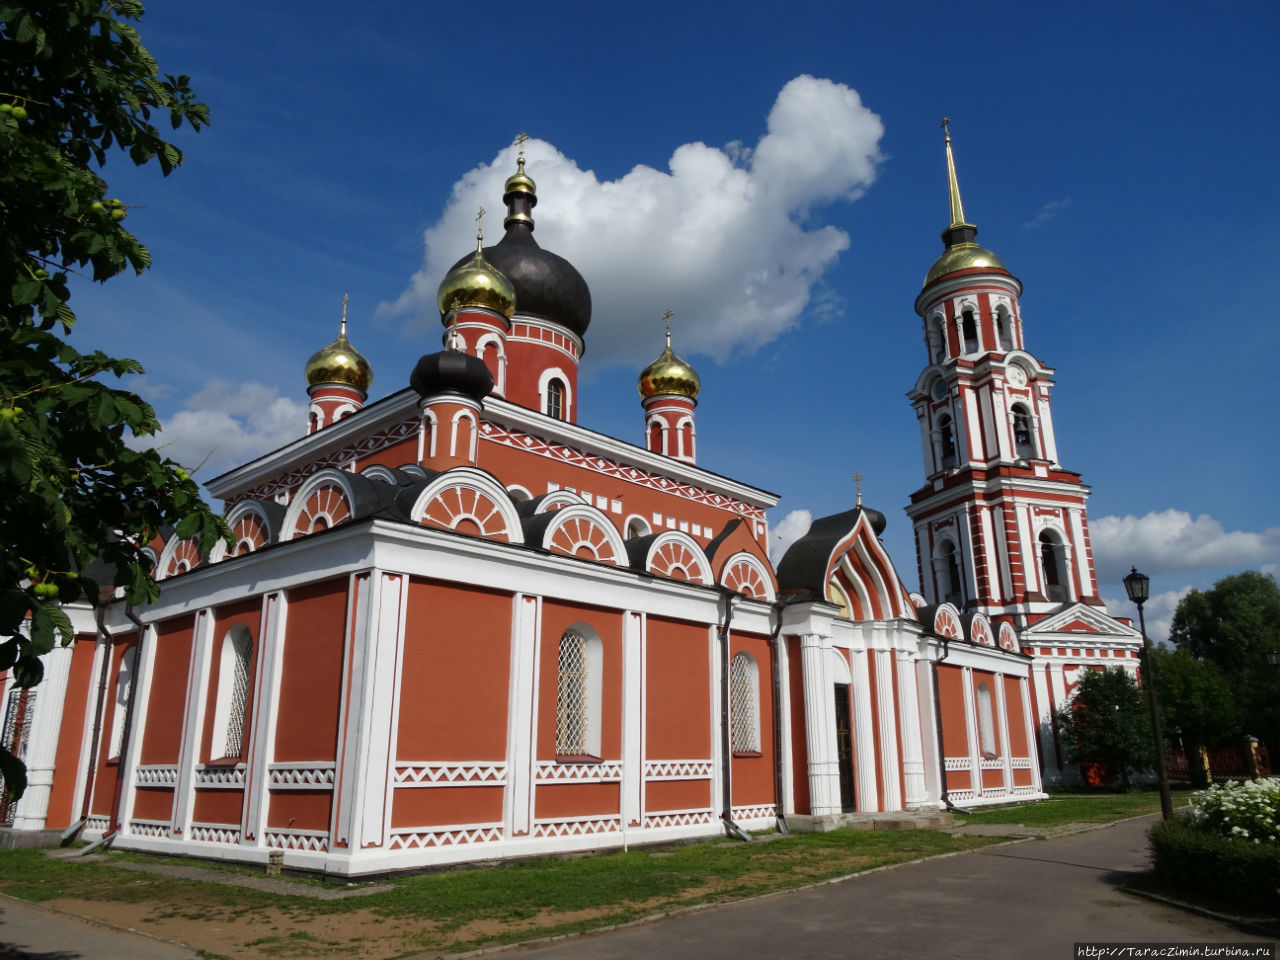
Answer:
(844, 748)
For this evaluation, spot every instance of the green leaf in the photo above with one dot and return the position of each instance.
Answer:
(15, 775)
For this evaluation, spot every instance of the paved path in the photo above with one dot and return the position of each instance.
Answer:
(1022, 901)
(29, 931)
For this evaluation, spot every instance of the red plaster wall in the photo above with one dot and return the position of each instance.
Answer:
(299, 810)
(75, 718)
(249, 613)
(678, 795)
(677, 691)
(311, 674)
(753, 776)
(218, 806)
(443, 806)
(556, 618)
(576, 799)
(153, 803)
(162, 737)
(799, 745)
(1017, 721)
(104, 785)
(456, 676)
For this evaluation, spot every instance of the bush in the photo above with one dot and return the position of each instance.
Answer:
(1203, 861)
(1247, 811)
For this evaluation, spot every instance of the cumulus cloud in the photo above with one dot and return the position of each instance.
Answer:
(1172, 542)
(726, 237)
(1158, 610)
(223, 425)
(787, 531)
(1048, 212)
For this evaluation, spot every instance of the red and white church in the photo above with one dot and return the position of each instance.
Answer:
(457, 624)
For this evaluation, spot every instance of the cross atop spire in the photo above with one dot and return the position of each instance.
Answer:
(667, 317)
(345, 299)
(479, 230)
(521, 137)
(953, 185)
(857, 481)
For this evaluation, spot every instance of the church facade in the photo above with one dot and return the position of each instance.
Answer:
(456, 624)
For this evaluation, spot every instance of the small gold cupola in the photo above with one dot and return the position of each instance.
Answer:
(669, 375)
(475, 282)
(340, 362)
(963, 252)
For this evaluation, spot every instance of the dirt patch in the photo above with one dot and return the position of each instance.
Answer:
(264, 933)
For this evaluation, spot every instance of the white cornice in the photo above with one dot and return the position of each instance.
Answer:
(400, 406)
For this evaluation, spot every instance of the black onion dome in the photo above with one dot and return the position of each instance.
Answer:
(876, 519)
(548, 286)
(451, 371)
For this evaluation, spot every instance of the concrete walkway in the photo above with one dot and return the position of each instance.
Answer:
(1033, 899)
(29, 931)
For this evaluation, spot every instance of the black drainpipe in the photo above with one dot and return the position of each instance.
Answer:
(726, 745)
(937, 722)
(777, 720)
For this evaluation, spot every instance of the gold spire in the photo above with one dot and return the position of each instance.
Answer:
(857, 477)
(340, 362)
(476, 283)
(953, 185)
(520, 182)
(963, 252)
(669, 374)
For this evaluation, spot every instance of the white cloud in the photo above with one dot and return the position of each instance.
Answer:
(223, 425)
(1048, 212)
(1158, 610)
(723, 237)
(1171, 542)
(790, 529)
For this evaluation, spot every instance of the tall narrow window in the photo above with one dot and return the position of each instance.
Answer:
(969, 328)
(744, 704)
(1053, 565)
(655, 437)
(1024, 443)
(937, 340)
(120, 710)
(578, 687)
(555, 399)
(947, 438)
(947, 565)
(1002, 330)
(986, 722)
(233, 694)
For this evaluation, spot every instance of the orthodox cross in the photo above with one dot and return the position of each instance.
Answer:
(947, 132)
(451, 342)
(480, 226)
(857, 480)
(345, 298)
(667, 317)
(521, 137)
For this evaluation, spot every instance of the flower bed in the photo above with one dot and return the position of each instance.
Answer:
(1228, 846)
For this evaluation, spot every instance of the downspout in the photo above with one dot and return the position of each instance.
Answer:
(937, 722)
(777, 721)
(726, 746)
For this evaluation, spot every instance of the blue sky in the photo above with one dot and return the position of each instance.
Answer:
(776, 179)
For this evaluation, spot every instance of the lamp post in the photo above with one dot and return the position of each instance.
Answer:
(1138, 586)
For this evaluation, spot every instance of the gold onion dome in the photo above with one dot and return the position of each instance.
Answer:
(962, 252)
(475, 282)
(519, 182)
(340, 363)
(669, 375)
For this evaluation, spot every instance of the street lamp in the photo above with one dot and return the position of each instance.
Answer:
(1138, 587)
(1273, 657)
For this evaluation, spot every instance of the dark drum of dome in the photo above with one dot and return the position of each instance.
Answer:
(547, 285)
(451, 371)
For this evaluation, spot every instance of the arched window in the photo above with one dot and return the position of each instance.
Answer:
(986, 722)
(1024, 438)
(1003, 336)
(969, 330)
(947, 570)
(636, 527)
(744, 704)
(937, 340)
(655, 437)
(579, 666)
(555, 399)
(229, 716)
(686, 439)
(947, 441)
(1053, 564)
(124, 690)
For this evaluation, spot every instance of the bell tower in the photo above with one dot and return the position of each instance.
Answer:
(999, 524)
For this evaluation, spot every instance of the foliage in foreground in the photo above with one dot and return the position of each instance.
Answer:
(1247, 811)
(1107, 723)
(76, 83)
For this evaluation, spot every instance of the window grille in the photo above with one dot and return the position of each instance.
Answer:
(17, 733)
(239, 680)
(744, 727)
(572, 720)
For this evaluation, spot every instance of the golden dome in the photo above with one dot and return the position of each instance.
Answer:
(669, 375)
(476, 283)
(519, 181)
(963, 256)
(340, 362)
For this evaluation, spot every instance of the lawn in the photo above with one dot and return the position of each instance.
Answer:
(1064, 808)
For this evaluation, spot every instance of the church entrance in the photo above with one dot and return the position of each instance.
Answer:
(844, 748)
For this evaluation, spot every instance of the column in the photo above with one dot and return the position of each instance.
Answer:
(886, 702)
(971, 732)
(909, 720)
(633, 625)
(192, 723)
(262, 743)
(863, 733)
(820, 726)
(42, 748)
(522, 716)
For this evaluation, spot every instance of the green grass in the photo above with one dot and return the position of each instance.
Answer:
(1064, 808)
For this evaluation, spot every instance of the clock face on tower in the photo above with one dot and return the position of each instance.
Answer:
(939, 389)
(1016, 376)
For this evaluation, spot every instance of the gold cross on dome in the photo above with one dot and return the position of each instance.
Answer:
(521, 137)
(451, 340)
(667, 317)
(857, 480)
(480, 223)
(945, 130)
(345, 300)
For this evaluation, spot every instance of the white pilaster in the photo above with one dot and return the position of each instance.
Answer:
(820, 726)
(931, 750)
(786, 802)
(909, 719)
(886, 703)
(192, 723)
(971, 732)
(138, 703)
(863, 733)
(1002, 721)
(526, 617)
(262, 742)
(633, 719)
(42, 748)
(1028, 719)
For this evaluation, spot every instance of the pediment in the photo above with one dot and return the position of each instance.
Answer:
(1077, 619)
